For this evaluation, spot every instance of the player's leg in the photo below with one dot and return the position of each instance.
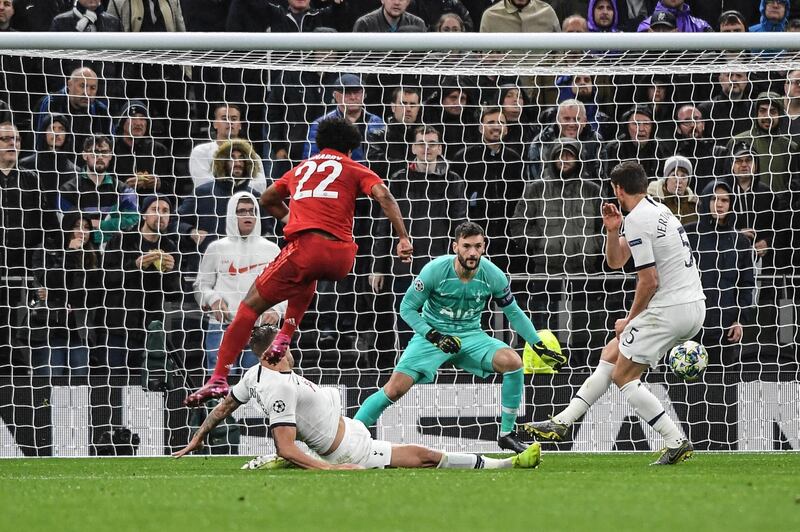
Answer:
(483, 355)
(592, 389)
(419, 363)
(508, 362)
(375, 404)
(417, 456)
(296, 308)
(234, 340)
(627, 376)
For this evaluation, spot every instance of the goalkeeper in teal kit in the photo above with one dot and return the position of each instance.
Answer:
(452, 292)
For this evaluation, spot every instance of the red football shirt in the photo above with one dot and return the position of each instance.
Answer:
(322, 192)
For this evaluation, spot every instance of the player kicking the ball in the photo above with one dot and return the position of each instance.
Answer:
(319, 234)
(668, 308)
(298, 409)
(452, 292)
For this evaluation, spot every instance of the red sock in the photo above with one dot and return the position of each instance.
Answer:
(235, 338)
(296, 308)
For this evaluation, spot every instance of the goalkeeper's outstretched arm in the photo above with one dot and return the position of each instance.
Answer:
(220, 412)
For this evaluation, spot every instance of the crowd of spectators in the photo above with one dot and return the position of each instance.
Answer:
(131, 188)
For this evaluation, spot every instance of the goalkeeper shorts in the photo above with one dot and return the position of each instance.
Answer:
(358, 447)
(421, 359)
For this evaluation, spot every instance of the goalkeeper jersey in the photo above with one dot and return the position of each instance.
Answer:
(449, 304)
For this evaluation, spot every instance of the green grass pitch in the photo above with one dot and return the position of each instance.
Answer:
(726, 492)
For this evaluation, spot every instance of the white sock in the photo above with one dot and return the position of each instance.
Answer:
(472, 461)
(650, 409)
(592, 389)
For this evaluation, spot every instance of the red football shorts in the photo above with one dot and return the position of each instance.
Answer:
(306, 259)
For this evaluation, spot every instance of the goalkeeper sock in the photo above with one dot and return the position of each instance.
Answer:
(233, 341)
(373, 407)
(593, 388)
(473, 461)
(649, 408)
(510, 396)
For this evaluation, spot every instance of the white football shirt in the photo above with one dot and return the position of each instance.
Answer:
(656, 238)
(289, 399)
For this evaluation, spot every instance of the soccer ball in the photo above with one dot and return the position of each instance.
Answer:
(688, 360)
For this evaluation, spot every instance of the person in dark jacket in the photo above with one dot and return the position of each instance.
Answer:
(495, 181)
(390, 147)
(22, 203)
(141, 163)
(432, 198)
(298, 16)
(520, 119)
(53, 160)
(636, 142)
(755, 203)
(729, 112)
(20, 234)
(567, 120)
(450, 110)
(205, 15)
(69, 293)
(725, 260)
(432, 10)
(78, 100)
(557, 222)
(140, 273)
(392, 16)
(38, 15)
(109, 203)
(86, 15)
(708, 159)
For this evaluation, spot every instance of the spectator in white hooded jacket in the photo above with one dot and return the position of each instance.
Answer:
(228, 269)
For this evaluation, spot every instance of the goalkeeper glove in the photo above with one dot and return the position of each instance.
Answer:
(448, 344)
(554, 359)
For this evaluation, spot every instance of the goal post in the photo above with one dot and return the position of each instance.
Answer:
(517, 132)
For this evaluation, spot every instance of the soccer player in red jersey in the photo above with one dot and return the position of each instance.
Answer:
(319, 234)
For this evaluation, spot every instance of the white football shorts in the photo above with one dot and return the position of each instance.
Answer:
(651, 334)
(358, 447)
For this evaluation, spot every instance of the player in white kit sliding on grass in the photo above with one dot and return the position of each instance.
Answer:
(668, 308)
(298, 409)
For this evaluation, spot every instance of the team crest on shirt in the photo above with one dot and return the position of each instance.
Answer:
(278, 406)
(419, 286)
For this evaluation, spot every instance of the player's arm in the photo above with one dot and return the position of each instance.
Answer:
(519, 320)
(285, 436)
(640, 247)
(414, 298)
(273, 200)
(220, 412)
(646, 286)
(384, 197)
(617, 250)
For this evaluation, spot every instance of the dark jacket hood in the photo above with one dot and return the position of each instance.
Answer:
(706, 223)
(64, 120)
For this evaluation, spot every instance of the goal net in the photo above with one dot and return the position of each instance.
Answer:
(120, 158)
